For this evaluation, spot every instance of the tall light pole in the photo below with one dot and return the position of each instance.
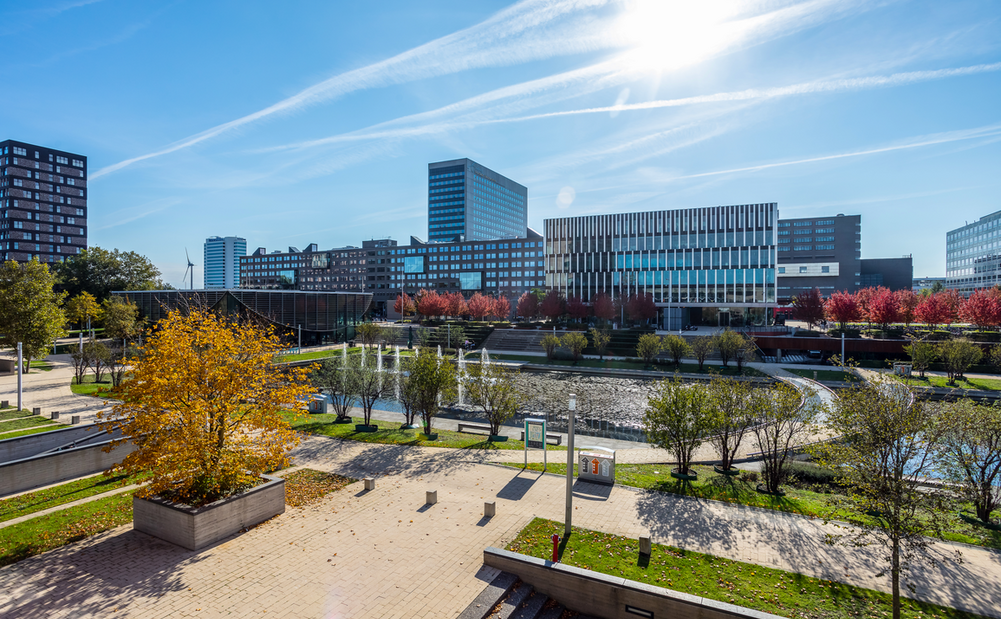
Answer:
(571, 459)
(20, 404)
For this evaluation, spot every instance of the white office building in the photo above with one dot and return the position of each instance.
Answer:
(222, 261)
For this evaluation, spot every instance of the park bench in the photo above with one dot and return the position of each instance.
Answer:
(466, 426)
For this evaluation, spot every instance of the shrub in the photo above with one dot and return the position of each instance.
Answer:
(810, 473)
(750, 477)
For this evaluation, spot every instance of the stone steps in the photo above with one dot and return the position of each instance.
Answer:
(507, 597)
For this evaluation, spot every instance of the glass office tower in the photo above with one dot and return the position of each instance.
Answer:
(713, 265)
(222, 261)
(469, 202)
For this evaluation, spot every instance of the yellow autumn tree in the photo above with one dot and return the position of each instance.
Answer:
(204, 405)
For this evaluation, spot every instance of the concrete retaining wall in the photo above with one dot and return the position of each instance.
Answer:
(35, 471)
(34, 444)
(195, 528)
(601, 595)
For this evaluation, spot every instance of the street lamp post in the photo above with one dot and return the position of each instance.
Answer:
(20, 404)
(571, 458)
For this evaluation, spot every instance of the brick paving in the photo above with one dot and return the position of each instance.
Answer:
(384, 553)
(51, 391)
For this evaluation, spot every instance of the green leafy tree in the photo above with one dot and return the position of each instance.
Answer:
(368, 333)
(994, 357)
(783, 422)
(550, 343)
(492, 388)
(121, 319)
(30, 311)
(958, 355)
(600, 340)
(83, 308)
(734, 408)
(99, 356)
(702, 347)
(370, 384)
(100, 272)
(677, 347)
(455, 336)
(575, 342)
(648, 346)
(434, 384)
(677, 418)
(971, 453)
(338, 380)
(727, 344)
(888, 446)
(922, 353)
(746, 351)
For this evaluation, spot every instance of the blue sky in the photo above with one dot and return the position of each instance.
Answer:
(297, 122)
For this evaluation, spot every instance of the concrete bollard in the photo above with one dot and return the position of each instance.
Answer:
(36, 411)
(4, 403)
(55, 415)
(431, 497)
(489, 509)
(75, 419)
(370, 483)
(646, 547)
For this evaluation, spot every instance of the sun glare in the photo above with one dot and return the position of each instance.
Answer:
(663, 35)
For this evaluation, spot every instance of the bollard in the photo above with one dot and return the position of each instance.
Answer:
(4, 403)
(646, 547)
(489, 509)
(75, 419)
(431, 497)
(370, 483)
(36, 411)
(55, 415)
(556, 547)
(815, 375)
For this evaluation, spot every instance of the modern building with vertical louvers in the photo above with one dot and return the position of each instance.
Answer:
(703, 266)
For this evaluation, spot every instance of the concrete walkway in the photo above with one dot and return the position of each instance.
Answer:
(384, 553)
(50, 391)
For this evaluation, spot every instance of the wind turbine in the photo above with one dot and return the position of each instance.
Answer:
(191, 267)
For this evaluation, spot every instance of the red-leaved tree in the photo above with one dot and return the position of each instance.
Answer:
(528, 306)
(981, 309)
(864, 297)
(404, 305)
(808, 306)
(456, 304)
(907, 302)
(640, 307)
(934, 310)
(501, 308)
(431, 304)
(603, 306)
(577, 309)
(883, 308)
(554, 306)
(842, 308)
(480, 306)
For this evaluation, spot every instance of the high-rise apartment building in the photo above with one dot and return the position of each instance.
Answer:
(819, 252)
(468, 202)
(222, 261)
(973, 255)
(713, 265)
(43, 203)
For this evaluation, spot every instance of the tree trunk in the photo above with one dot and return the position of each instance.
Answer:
(895, 571)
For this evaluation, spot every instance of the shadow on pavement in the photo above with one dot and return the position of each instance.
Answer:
(515, 489)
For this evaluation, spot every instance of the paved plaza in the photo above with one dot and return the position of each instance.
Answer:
(384, 553)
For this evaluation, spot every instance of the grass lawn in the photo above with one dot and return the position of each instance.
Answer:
(744, 584)
(13, 413)
(44, 366)
(32, 502)
(713, 486)
(308, 486)
(21, 423)
(618, 364)
(828, 375)
(38, 535)
(89, 387)
(983, 384)
(336, 352)
(391, 433)
(38, 430)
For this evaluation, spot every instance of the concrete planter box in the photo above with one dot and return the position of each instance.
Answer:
(195, 528)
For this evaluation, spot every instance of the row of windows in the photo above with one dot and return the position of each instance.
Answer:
(17, 150)
(448, 175)
(461, 248)
(823, 269)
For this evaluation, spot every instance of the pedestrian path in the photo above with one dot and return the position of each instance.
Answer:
(50, 391)
(384, 553)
